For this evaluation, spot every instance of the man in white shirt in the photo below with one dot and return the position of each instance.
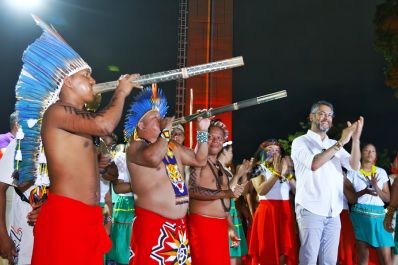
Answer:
(16, 241)
(318, 163)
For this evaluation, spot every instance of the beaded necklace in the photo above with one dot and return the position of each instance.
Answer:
(218, 176)
(370, 173)
(174, 174)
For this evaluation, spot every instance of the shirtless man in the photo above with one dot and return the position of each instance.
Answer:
(210, 195)
(67, 132)
(155, 164)
(69, 228)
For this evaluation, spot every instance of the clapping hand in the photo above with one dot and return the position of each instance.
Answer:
(358, 129)
(353, 130)
(238, 189)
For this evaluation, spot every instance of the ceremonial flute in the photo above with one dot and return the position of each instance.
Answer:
(234, 106)
(182, 73)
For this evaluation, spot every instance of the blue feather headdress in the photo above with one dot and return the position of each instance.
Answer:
(46, 62)
(149, 99)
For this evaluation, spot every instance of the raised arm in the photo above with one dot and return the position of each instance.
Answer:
(69, 118)
(121, 187)
(353, 130)
(355, 149)
(242, 171)
(149, 155)
(264, 185)
(198, 158)
(198, 192)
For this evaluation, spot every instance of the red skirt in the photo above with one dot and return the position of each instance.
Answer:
(346, 254)
(273, 234)
(67, 232)
(209, 240)
(158, 240)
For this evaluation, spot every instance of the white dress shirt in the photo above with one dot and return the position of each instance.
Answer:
(319, 191)
(7, 163)
(19, 230)
(360, 182)
(124, 175)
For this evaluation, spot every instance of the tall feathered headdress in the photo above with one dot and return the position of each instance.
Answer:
(46, 62)
(149, 99)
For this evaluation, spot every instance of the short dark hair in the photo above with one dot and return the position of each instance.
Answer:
(13, 119)
(315, 106)
(366, 145)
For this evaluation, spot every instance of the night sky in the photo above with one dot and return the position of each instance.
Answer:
(313, 49)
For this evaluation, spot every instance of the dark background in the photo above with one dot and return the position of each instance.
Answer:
(313, 49)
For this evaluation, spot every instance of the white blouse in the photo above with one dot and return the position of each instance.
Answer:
(360, 182)
(280, 191)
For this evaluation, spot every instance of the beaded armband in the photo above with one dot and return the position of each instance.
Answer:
(390, 211)
(202, 137)
(274, 172)
(165, 134)
(287, 177)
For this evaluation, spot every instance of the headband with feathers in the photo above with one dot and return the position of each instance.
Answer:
(149, 99)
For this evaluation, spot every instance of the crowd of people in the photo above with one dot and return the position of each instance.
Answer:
(152, 200)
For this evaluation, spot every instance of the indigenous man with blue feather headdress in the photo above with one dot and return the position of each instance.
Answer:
(156, 165)
(54, 84)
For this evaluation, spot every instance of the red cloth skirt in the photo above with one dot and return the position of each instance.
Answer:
(247, 260)
(273, 234)
(209, 240)
(158, 240)
(67, 232)
(346, 254)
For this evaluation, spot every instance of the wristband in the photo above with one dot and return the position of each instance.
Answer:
(202, 137)
(165, 134)
(275, 173)
(108, 219)
(337, 146)
(390, 211)
(289, 176)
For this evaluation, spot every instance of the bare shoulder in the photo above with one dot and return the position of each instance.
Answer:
(62, 110)
(57, 111)
(133, 148)
(52, 115)
(52, 110)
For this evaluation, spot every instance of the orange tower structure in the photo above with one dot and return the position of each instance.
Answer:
(210, 38)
